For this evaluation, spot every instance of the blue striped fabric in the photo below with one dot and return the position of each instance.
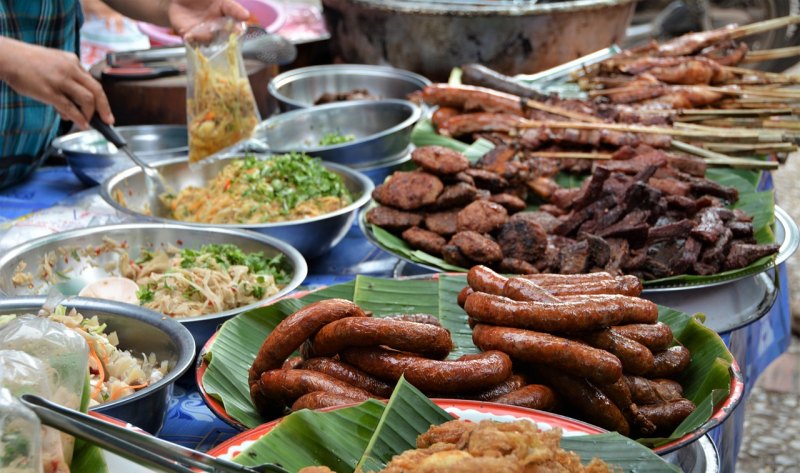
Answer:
(28, 126)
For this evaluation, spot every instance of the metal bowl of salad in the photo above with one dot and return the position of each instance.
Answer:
(198, 276)
(358, 134)
(147, 353)
(308, 203)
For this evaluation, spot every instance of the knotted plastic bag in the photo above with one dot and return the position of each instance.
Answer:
(221, 107)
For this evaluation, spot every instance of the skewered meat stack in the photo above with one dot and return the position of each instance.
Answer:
(652, 215)
(589, 338)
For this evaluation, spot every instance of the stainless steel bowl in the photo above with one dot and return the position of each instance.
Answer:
(142, 236)
(141, 331)
(311, 236)
(93, 159)
(382, 130)
(300, 88)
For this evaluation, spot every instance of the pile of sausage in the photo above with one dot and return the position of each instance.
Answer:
(582, 345)
(348, 356)
(590, 339)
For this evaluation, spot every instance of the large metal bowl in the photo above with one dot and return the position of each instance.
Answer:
(142, 236)
(92, 158)
(431, 37)
(141, 331)
(382, 130)
(300, 88)
(311, 236)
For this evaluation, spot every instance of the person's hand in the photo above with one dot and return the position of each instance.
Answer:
(54, 77)
(185, 14)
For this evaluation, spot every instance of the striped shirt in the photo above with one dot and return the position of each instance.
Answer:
(26, 125)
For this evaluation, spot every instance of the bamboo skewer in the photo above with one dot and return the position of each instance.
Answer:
(720, 159)
(770, 54)
(555, 110)
(570, 155)
(745, 147)
(763, 26)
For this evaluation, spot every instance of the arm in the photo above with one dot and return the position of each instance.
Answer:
(54, 77)
(181, 14)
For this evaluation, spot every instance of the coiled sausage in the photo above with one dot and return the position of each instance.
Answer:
(349, 374)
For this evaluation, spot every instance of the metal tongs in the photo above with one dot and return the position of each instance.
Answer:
(149, 450)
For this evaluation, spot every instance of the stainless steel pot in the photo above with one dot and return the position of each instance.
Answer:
(431, 37)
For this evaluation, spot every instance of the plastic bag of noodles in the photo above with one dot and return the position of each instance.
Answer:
(221, 108)
(25, 445)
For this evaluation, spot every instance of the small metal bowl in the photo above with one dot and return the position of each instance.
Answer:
(382, 130)
(141, 331)
(137, 236)
(92, 158)
(300, 88)
(310, 236)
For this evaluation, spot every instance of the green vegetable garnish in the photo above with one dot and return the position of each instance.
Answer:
(228, 255)
(335, 139)
(145, 295)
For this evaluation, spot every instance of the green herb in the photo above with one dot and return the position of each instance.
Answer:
(144, 257)
(290, 179)
(145, 295)
(75, 255)
(258, 292)
(335, 139)
(62, 275)
(16, 446)
(227, 255)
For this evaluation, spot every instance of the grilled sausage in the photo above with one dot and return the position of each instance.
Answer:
(447, 377)
(670, 362)
(566, 355)
(349, 374)
(666, 416)
(295, 329)
(513, 383)
(619, 393)
(604, 283)
(567, 316)
(656, 337)
(635, 357)
(532, 396)
(462, 296)
(279, 388)
(483, 279)
(320, 400)
(292, 363)
(595, 406)
(424, 339)
(418, 318)
(521, 289)
(653, 391)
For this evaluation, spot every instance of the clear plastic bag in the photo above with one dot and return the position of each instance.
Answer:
(221, 107)
(21, 373)
(20, 437)
(61, 349)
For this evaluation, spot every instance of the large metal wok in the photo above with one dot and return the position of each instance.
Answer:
(431, 37)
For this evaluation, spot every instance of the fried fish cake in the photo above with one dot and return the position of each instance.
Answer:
(477, 247)
(439, 160)
(393, 220)
(482, 216)
(409, 190)
(424, 240)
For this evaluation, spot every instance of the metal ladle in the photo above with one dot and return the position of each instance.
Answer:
(155, 185)
(128, 443)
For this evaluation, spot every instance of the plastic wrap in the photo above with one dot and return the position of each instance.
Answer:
(61, 349)
(21, 373)
(221, 108)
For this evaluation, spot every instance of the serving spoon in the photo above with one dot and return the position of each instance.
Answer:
(128, 443)
(155, 185)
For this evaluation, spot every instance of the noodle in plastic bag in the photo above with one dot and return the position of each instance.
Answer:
(221, 107)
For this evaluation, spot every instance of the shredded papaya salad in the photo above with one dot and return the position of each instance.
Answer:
(113, 373)
(284, 187)
(222, 109)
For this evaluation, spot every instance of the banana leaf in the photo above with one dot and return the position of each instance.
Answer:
(706, 381)
(368, 435)
(759, 205)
